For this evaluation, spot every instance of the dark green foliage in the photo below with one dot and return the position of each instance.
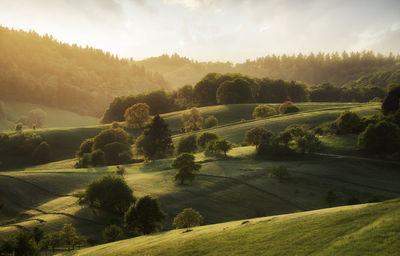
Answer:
(274, 91)
(184, 97)
(222, 145)
(21, 244)
(110, 192)
(97, 158)
(382, 138)
(86, 147)
(234, 92)
(392, 101)
(325, 93)
(188, 218)
(109, 136)
(145, 216)
(330, 197)
(158, 101)
(117, 153)
(205, 138)
(262, 111)
(348, 122)
(156, 141)
(307, 143)
(187, 144)
(210, 121)
(255, 135)
(186, 167)
(112, 233)
(288, 107)
(41, 154)
(281, 173)
(79, 79)
(206, 89)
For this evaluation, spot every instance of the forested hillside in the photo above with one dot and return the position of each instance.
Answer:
(313, 69)
(39, 69)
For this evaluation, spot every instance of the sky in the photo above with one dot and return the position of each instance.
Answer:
(212, 30)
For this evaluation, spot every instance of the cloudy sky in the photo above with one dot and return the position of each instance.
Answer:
(224, 30)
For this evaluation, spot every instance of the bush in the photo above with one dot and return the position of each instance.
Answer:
(112, 233)
(307, 143)
(85, 147)
(41, 154)
(18, 127)
(187, 144)
(382, 138)
(97, 158)
(145, 216)
(262, 111)
(117, 153)
(288, 107)
(109, 192)
(109, 136)
(256, 134)
(188, 218)
(205, 138)
(210, 121)
(348, 122)
(186, 167)
(281, 173)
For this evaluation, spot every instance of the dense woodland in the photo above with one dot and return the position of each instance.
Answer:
(313, 69)
(38, 69)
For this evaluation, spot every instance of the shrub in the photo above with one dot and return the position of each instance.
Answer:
(256, 134)
(281, 173)
(348, 122)
(117, 153)
(97, 158)
(205, 138)
(109, 192)
(307, 143)
(85, 147)
(188, 218)
(18, 127)
(382, 138)
(186, 167)
(187, 144)
(41, 154)
(145, 216)
(110, 135)
(262, 111)
(112, 233)
(210, 121)
(288, 107)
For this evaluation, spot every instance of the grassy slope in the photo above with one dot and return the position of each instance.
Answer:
(353, 230)
(238, 188)
(55, 117)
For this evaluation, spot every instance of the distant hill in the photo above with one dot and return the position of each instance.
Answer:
(39, 69)
(380, 79)
(313, 68)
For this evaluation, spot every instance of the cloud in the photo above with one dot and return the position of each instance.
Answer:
(195, 4)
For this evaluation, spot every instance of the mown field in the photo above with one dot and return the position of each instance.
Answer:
(369, 229)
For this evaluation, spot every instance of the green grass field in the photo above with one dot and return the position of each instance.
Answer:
(55, 117)
(371, 229)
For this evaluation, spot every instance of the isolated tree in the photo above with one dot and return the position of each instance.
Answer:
(112, 233)
(256, 134)
(187, 144)
(382, 138)
(41, 154)
(192, 120)
(186, 167)
(156, 141)
(36, 117)
(205, 138)
(145, 216)
(262, 111)
(288, 107)
(137, 115)
(281, 173)
(69, 235)
(188, 218)
(222, 145)
(210, 121)
(348, 122)
(109, 192)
